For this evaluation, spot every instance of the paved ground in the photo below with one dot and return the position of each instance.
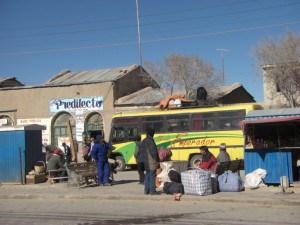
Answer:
(113, 212)
(127, 188)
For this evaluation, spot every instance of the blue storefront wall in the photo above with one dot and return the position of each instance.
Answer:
(11, 144)
(19, 151)
(276, 163)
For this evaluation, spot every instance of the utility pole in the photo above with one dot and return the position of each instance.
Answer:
(222, 60)
(139, 33)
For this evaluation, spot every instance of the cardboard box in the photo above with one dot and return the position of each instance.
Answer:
(35, 179)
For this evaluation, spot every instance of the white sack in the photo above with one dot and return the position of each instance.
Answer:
(255, 179)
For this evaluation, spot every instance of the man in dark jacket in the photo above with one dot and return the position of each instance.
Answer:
(99, 153)
(67, 153)
(139, 159)
(151, 162)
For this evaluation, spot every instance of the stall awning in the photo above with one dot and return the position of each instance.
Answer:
(270, 116)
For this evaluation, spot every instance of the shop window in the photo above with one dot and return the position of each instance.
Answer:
(60, 127)
(94, 125)
(6, 121)
(94, 122)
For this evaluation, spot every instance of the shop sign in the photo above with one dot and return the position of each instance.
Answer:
(40, 121)
(79, 124)
(74, 104)
(79, 131)
(3, 122)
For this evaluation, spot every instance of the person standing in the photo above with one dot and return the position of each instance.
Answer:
(67, 152)
(92, 141)
(139, 159)
(223, 155)
(86, 152)
(208, 160)
(151, 162)
(99, 153)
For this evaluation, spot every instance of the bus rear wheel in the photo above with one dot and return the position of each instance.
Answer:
(121, 163)
(195, 161)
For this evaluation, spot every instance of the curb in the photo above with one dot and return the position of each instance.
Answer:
(189, 198)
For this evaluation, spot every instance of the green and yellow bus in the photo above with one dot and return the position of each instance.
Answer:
(182, 130)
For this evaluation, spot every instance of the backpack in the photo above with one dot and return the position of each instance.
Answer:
(164, 154)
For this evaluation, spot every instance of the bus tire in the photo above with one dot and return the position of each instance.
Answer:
(121, 163)
(195, 161)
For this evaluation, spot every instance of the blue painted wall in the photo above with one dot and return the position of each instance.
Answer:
(269, 160)
(10, 167)
(29, 143)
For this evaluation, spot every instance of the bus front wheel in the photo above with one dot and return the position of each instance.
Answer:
(195, 161)
(121, 163)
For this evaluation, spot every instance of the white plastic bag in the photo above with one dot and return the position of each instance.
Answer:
(255, 179)
(164, 175)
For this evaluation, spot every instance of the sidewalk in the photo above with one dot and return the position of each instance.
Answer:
(127, 188)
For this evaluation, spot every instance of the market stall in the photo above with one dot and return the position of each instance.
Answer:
(272, 142)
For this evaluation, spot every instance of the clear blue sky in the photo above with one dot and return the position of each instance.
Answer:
(39, 38)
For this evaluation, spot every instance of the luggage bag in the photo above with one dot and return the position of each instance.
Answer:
(196, 182)
(230, 182)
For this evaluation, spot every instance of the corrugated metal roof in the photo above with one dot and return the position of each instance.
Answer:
(271, 113)
(217, 92)
(66, 77)
(154, 96)
(2, 79)
(147, 95)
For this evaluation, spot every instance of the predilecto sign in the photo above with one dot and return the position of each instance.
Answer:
(74, 104)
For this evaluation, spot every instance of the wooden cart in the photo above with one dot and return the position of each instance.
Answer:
(82, 174)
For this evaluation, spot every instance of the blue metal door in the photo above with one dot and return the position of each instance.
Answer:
(12, 157)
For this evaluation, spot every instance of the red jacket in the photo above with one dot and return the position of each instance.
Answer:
(210, 165)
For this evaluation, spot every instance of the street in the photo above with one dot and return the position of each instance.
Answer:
(98, 212)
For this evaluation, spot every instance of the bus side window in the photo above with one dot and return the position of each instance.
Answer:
(230, 120)
(132, 133)
(197, 122)
(155, 122)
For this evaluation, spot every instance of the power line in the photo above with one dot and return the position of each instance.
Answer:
(125, 18)
(150, 24)
(223, 32)
(222, 14)
(197, 9)
(159, 32)
(152, 41)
